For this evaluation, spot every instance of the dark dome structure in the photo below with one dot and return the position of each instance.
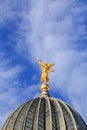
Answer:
(44, 113)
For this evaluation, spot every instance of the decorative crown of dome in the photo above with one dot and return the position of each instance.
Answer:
(44, 113)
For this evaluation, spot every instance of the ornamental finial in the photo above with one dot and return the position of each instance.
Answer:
(46, 68)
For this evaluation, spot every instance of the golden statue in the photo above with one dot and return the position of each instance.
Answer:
(46, 68)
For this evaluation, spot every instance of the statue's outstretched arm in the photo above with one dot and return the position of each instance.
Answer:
(41, 63)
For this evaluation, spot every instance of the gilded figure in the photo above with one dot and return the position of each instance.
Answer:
(46, 68)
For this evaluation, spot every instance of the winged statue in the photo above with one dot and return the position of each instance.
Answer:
(46, 68)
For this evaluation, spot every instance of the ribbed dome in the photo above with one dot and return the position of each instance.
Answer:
(44, 113)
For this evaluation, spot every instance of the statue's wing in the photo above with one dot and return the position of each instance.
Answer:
(50, 65)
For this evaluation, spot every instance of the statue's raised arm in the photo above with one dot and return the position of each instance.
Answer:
(41, 62)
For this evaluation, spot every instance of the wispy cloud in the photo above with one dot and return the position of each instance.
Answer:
(7, 11)
(54, 31)
(12, 88)
(9, 84)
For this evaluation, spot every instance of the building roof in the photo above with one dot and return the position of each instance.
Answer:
(44, 113)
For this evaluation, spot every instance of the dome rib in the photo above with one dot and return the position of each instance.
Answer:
(19, 122)
(10, 122)
(36, 116)
(55, 120)
(31, 114)
(41, 114)
(79, 121)
(6, 122)
(59, 115)
(69, 119)
(48, 119)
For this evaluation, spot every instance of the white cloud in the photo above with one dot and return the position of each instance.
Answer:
(9, 87)
(12, 89)
(78, 88)
(6, 12)
(31, 91)
(53, 33)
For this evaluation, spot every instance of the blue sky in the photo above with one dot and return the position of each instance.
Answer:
(55, 31)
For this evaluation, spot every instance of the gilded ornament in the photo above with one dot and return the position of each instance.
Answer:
(46, 68)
